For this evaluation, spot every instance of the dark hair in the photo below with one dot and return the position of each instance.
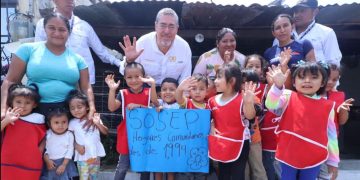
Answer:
(221, 33)
(281, 16)
(201, 78)
(231, 70)
(311, 67)
(257, 56)
(57, 15)
(250, 75)
(30, 92)
(57, 112)
(135, 65)
(76, 94)
(170, 80)
(334, 67)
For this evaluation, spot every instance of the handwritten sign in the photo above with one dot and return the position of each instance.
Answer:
(169, 141)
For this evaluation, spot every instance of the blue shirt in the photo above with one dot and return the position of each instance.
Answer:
(55, 75)
(299, 51)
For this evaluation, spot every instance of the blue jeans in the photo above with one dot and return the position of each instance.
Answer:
(290, 173)
(271, 165)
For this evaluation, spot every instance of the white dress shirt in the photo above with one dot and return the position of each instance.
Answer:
(324, 41)
(82, 37)
(176, 63)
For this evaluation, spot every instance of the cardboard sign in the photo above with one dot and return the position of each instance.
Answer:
(174, 140)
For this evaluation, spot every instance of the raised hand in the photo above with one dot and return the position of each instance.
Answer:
(130, 49)
(227, 56)
(277, 76)
(109, 80)
(249, 92)
(285, 57)
(187, 84)
(148, 80)
(12, 115)
(345, 106)
(96, 118)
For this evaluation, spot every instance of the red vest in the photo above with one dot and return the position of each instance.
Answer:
(302, 131)
(338, 97)
(20, 154)
(267, 130)
(191, 105)
(227, 144)
(127, 97)
(262, 89)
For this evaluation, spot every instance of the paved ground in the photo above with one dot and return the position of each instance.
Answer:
(349, 170)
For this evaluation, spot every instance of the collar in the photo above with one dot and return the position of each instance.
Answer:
(301, 35)
(34, 118)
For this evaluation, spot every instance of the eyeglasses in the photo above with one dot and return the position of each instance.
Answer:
(169, 26)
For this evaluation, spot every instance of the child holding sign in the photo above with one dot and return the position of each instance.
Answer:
(229, 138)
(136, 96)
(167, 101)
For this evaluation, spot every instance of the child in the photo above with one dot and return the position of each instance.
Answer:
(87, 142)
(59, 146)
(167, 101)
(136, 96)
(257, 63)
(22, 142)
(229, 138)
(306, 131)
(197, 86)
(341, 107)
(255, 168)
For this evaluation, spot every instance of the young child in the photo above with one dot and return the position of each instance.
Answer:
(167, 101)
(136, 96)
(197, 86)
(87, 141)
(258, 64)
(22, 133)
(254, 168)
(341, 107)
(306, 132)
(59, 146)
(229, 138)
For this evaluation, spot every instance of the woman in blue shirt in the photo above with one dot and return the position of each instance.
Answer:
(55, 69)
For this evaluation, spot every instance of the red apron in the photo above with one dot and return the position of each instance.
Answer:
(191, 105)
(227, 144)
(127, 97)
(338, 97)
(302, 131)
(267, 130)
(20, 154)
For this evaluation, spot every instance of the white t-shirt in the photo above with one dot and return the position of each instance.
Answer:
(174, 105)
(176, 63)
(82, 37)
(88, 138)
(59, 146)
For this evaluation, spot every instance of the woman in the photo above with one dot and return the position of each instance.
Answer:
(224, 52)
(282, 27)
(55, 69)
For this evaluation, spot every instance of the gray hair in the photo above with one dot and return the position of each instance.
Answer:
(167, 12)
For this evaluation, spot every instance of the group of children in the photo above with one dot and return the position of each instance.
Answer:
(26, 142)
(269, 129)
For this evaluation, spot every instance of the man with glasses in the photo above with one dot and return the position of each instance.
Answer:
(162, 53)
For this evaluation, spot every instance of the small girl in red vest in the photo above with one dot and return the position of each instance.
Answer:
(22, 134)
(197, 86)
(306, 132)
(229, 138)
(136, 96)
(342, 106)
